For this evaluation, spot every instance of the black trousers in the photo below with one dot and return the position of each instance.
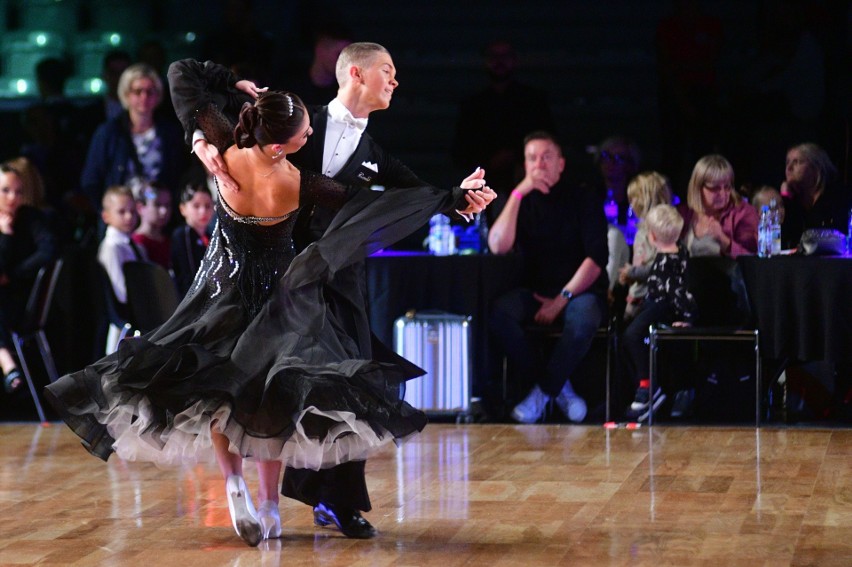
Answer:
(343, 486)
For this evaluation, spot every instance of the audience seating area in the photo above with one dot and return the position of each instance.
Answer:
(597, 65)
(79, 32)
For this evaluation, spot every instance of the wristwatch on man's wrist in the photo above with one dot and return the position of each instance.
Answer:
(566, 294)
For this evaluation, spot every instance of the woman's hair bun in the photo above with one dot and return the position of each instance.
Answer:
(244, 132)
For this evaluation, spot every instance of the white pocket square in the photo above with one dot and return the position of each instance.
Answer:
(371, 166)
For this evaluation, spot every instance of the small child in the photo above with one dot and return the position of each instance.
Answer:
(116, 248)
(119, 214)
(645, 191)
(154, 207)
(764, 195)
(667, 301)
(189, 242)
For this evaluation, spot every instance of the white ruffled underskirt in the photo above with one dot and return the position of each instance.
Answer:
(188, 441)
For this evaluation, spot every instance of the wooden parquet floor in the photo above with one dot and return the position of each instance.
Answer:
(495, 495)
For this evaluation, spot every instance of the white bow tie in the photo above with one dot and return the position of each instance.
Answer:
(360, 123)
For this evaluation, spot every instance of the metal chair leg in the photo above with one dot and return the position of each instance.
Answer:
(19, 348)
(652, 371)
(47, 356)
(609, 340)
(758, 390)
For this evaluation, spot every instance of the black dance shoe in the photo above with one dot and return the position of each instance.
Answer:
(13, 380)
(348, 520)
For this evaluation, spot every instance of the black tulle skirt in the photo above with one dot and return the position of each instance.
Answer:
(281, 379)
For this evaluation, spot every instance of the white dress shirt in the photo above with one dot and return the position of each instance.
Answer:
(342, 134)
(114, 250)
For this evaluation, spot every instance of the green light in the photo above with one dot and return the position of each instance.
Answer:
(96, 86)
(41, 39)
(190, 37)
(21, 86)
(115, 39)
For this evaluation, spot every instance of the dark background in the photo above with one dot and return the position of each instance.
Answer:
(596, 61)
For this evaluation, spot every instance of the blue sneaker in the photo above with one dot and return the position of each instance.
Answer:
(532, 408)
(572, 405)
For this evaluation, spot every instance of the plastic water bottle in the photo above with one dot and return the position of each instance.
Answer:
(774, 228)
(442, 239)
(436, 239)
(764, 242)
(611, 208)
(449, 239)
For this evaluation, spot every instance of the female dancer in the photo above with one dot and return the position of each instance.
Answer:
(252, 364)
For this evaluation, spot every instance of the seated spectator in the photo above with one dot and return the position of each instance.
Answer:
(646, 191)
(135, 145)
(717, 222)
(765, 195)
(32, 183)
(617, 159)
(189, 242)
(117, 247)
(27, 243)
(154, 207)
(561, 232)
(667, 301)
(816, 196)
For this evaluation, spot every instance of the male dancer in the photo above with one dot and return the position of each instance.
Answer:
(340, 148)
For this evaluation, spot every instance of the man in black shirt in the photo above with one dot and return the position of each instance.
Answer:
(561, 233)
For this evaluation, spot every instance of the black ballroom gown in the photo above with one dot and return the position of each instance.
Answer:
(253, 352)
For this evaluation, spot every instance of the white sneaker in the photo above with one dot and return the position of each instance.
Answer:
(243, 514)
(532, 408)
(572, 405)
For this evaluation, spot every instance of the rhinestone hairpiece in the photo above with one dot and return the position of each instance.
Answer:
(289, 104)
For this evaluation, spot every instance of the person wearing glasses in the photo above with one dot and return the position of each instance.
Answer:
(717, 222)
(134, 144)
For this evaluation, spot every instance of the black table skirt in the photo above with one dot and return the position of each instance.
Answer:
(802, 305)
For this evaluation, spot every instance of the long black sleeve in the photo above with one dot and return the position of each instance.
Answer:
(195, 86)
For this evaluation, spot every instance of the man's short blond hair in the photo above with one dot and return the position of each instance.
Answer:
(360, 54)
(665, 223)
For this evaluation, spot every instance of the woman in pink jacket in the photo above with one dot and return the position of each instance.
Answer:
(717, 221)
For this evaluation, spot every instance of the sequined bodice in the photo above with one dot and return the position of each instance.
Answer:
(252, 257)
(248, 257)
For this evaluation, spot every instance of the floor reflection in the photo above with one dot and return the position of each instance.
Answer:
(434, 475)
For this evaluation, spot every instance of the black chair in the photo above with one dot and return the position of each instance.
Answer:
(724, 314)
(552, 333)
(32, 325)
(151, 295)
